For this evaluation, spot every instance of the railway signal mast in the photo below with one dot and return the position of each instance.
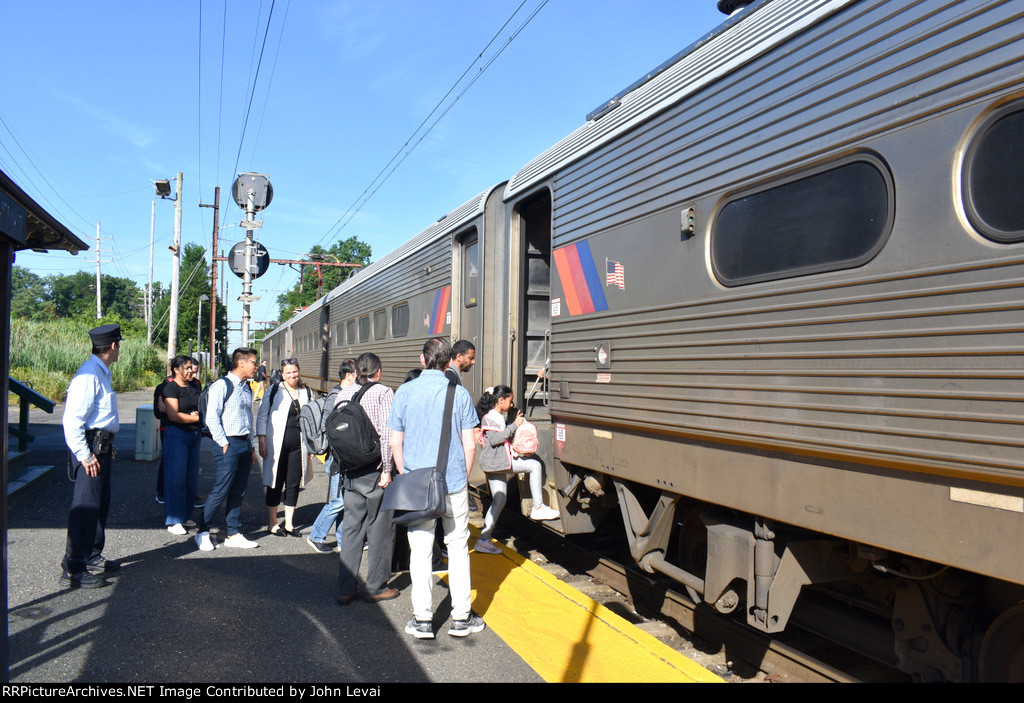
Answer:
(252, 192)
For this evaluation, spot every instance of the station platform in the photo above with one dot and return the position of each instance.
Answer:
(174, 614)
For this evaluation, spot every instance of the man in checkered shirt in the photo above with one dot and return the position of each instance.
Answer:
(229, 419)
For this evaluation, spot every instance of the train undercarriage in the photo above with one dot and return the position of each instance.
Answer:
(934, 622)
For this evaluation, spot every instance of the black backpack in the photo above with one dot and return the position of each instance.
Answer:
(204, 400)
(158, 393)
(351, 436)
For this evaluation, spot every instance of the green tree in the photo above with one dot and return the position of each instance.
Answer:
(74, 296)
(193, 282)
(320, 280)
(29, 297)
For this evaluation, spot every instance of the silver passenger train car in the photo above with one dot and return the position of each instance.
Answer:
(767, 303)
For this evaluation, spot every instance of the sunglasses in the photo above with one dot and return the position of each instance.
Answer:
(286, 362)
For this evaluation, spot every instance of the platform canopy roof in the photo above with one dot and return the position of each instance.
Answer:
(27, 225)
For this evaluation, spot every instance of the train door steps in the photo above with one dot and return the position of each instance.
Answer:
(565, 636)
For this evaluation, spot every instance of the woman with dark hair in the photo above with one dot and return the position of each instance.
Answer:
(330, 514)
(498, 461)
(181, 443)
(286, 462)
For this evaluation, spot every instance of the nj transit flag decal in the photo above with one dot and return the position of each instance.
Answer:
(440, 310)
(583, 287)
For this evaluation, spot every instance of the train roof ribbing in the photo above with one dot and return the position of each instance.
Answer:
(739, 40)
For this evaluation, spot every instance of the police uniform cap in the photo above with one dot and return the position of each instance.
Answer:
(105, 334)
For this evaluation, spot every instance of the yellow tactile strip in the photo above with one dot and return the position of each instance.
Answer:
(565, 636)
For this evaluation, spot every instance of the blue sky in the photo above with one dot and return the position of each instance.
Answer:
(101, 98)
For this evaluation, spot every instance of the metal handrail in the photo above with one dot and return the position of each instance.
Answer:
(28, 398)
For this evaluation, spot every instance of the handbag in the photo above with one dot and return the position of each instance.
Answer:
(420, 494)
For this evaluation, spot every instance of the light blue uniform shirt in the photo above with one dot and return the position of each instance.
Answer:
(417, 411)
(91, 405)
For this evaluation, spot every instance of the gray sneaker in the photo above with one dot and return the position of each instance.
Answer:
(463, 628)
(420, 629)
(319, 547)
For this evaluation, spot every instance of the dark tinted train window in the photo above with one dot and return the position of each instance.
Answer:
(351, 329)
(993, 180)
(380, 324)
(400, 320)
(364, 328)
(832, 219)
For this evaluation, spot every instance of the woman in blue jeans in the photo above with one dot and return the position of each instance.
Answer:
(181, 443)
(331, 514)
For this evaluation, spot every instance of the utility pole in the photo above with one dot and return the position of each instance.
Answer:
(149, 289)
(172, 326)
(99, 313)
(213, 270)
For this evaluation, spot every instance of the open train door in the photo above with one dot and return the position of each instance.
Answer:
(530, 286)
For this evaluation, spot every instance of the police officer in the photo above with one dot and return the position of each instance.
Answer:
(90, 423)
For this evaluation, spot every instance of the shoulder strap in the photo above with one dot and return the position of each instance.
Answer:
(446, 428)
(273, 392)
(357, 396)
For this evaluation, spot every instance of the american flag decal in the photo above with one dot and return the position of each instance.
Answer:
(615, 275)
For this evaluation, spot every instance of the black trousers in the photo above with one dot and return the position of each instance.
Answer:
(87, 519)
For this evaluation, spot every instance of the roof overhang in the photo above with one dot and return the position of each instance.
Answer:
(25, 224)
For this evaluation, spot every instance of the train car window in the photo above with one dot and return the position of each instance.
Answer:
(471, 273)
(993, 176)
(364, 328)
(380, 324)
(836, 217)
(339, 333)
(350, 327)
(400, 320)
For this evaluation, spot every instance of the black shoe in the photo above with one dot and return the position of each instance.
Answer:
(82, 579)
(99, 564)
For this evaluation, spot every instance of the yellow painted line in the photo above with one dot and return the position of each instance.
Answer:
(565, 636)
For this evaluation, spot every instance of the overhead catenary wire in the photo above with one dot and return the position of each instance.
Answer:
(391, 166)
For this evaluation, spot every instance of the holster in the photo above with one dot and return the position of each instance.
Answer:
(100, 442)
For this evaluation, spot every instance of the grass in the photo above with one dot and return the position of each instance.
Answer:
(46, 355)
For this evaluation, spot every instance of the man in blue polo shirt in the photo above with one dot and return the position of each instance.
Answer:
(416, 421)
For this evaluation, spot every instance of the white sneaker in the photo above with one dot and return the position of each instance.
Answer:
(240, 542)
(177, 529)
(204, 542)
(485, 545)
(544, 513)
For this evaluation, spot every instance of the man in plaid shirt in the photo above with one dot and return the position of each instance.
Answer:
(363, 493)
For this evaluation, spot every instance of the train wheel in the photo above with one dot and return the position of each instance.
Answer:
(1002, 649)
(692, 548)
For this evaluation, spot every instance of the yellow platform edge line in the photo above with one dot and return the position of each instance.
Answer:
(566, 636)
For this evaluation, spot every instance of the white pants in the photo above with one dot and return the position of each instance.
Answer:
(497, 485)
(421, 556)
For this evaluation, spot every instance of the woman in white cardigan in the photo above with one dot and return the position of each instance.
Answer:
(286, 461)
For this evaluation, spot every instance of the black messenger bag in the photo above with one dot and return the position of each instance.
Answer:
(420, 494)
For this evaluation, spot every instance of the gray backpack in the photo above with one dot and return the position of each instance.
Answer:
(312, 421)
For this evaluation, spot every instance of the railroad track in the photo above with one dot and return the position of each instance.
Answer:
(729, 649)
